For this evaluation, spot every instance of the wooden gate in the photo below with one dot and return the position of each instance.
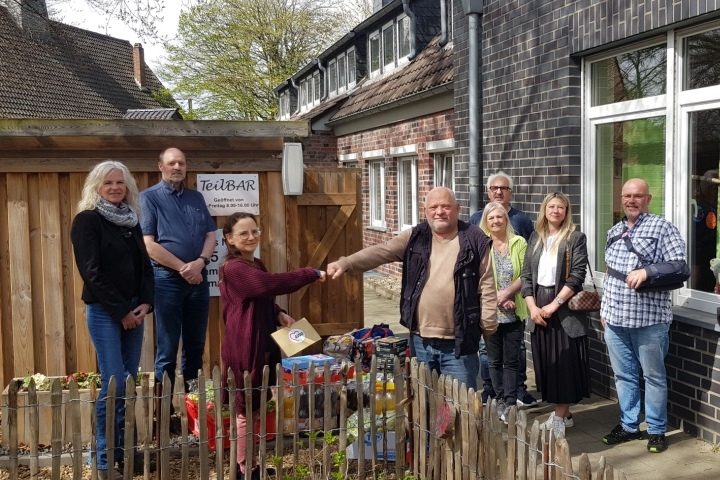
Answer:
(43, 164)
(326, 222)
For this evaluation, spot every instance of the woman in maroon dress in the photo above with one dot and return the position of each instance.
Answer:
(248, 292)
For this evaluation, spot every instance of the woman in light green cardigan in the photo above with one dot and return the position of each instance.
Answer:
(507, 256)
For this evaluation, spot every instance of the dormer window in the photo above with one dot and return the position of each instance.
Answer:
(390, 46)
(342, 72)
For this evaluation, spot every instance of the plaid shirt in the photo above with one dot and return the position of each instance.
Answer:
(653, 237)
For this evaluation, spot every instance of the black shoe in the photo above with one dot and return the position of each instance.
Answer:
(620, 435)
(657, 443)
(175, 426)
(487, 395)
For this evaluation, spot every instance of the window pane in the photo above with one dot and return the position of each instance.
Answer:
(332, 74)
(704, 144)
(375, 53)
(624, 150)
(318, 92)
(404, 37)
(351, 67)
(406, 191)
(342, 72)
(702, 54)
(629, 76)
(376, 194)
(444, 170)
(388, 46)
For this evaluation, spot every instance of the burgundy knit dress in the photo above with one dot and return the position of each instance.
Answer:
(250, 314)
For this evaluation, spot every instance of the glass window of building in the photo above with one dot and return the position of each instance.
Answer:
(629, 76)
(342, 72)
(407, 193)
(374, 52)
(403, 34)
(317, 87)
(388, 46)
(377, 193)
(332, 77)
(351, 68)
(443, 171)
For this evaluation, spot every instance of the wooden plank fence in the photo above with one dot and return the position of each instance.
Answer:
(436, 428)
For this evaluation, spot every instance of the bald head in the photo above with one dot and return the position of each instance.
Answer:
(635, 198)
(442, 211)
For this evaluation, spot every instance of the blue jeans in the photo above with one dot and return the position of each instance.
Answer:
(439, 355)
(181, 310)
(631, 349)
(502, 348)
(522, 367)
(118, 354)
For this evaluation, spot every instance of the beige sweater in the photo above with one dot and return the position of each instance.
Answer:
(435, 309)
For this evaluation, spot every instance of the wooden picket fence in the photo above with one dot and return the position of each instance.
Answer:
(442, 431)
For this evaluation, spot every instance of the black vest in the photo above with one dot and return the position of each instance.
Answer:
(474, 245)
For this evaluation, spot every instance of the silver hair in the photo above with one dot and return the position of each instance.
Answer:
(95, 179)
(500, 174)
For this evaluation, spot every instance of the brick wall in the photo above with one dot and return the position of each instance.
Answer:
(417, 132)
(320, 148)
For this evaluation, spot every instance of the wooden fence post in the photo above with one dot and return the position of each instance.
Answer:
(164, 433)
(129, 434)
(219, 421)
(564, 467)
(146, 432)
(280, 420)
(249, 423)
(34, 411)
(521, 442)
(263, 421)
(584, 468)
(57, 430)
(76, 423)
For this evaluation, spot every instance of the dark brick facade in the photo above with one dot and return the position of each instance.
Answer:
(417, 131)
(531, 53)
(320, 148)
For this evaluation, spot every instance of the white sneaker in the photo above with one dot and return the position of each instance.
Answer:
(567, 421)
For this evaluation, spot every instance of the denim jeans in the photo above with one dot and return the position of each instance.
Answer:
(522, 367)
(631, 349)
(502, 352)
(439, 355)
(118, 354)
(181, 310)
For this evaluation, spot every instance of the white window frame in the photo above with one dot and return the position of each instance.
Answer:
(377, 218)
(402, 164)
(342, 59)
(386, 67)
(400, 60)
(284, 112)
(374, 36)
(351, 68)
(317, 89)
(332, 65)
(439, 161)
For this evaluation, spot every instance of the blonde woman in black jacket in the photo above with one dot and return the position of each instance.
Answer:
(554, 270)
(118, 287)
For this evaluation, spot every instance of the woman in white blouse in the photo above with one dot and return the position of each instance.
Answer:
(554, 270)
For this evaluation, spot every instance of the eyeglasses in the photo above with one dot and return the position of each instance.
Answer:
(498, 188)
(245, 235)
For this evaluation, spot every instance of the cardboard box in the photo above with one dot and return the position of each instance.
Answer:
(296, 338)
(352, 450)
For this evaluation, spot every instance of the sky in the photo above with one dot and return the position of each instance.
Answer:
(79, 14)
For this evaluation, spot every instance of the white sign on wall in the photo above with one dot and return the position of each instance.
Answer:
(227, 193)
(213, 268)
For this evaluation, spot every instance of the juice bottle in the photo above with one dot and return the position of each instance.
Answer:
(288, 412)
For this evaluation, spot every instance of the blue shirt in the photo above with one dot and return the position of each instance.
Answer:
(179, 220)
(520, 222)
(655, 238)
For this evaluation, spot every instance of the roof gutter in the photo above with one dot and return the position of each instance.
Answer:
(413, 26)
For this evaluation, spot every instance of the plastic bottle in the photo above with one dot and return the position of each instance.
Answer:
(303, 409)
(288, 412)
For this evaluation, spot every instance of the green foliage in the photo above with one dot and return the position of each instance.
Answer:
(230, 54)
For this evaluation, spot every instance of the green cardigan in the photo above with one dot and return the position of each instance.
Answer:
(518, 246)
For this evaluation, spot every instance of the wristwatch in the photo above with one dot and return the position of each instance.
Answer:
(205, 260)
(560, 301)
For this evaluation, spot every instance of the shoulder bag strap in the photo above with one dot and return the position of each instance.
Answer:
(567, 269)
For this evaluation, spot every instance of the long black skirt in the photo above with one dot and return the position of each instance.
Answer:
(562, 369)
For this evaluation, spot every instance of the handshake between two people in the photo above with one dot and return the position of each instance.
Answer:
(334, 271)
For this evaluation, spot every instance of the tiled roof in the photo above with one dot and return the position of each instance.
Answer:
(76, 74)
(431, 68)
(324, 106)
(153, 114)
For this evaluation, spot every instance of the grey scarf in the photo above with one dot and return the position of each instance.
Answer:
(122, 216)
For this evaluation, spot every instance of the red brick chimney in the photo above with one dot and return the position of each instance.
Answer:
(139, 65)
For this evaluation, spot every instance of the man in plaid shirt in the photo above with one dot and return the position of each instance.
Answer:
(637, 323)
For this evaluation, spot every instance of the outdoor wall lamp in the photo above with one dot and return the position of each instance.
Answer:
(292, 169)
